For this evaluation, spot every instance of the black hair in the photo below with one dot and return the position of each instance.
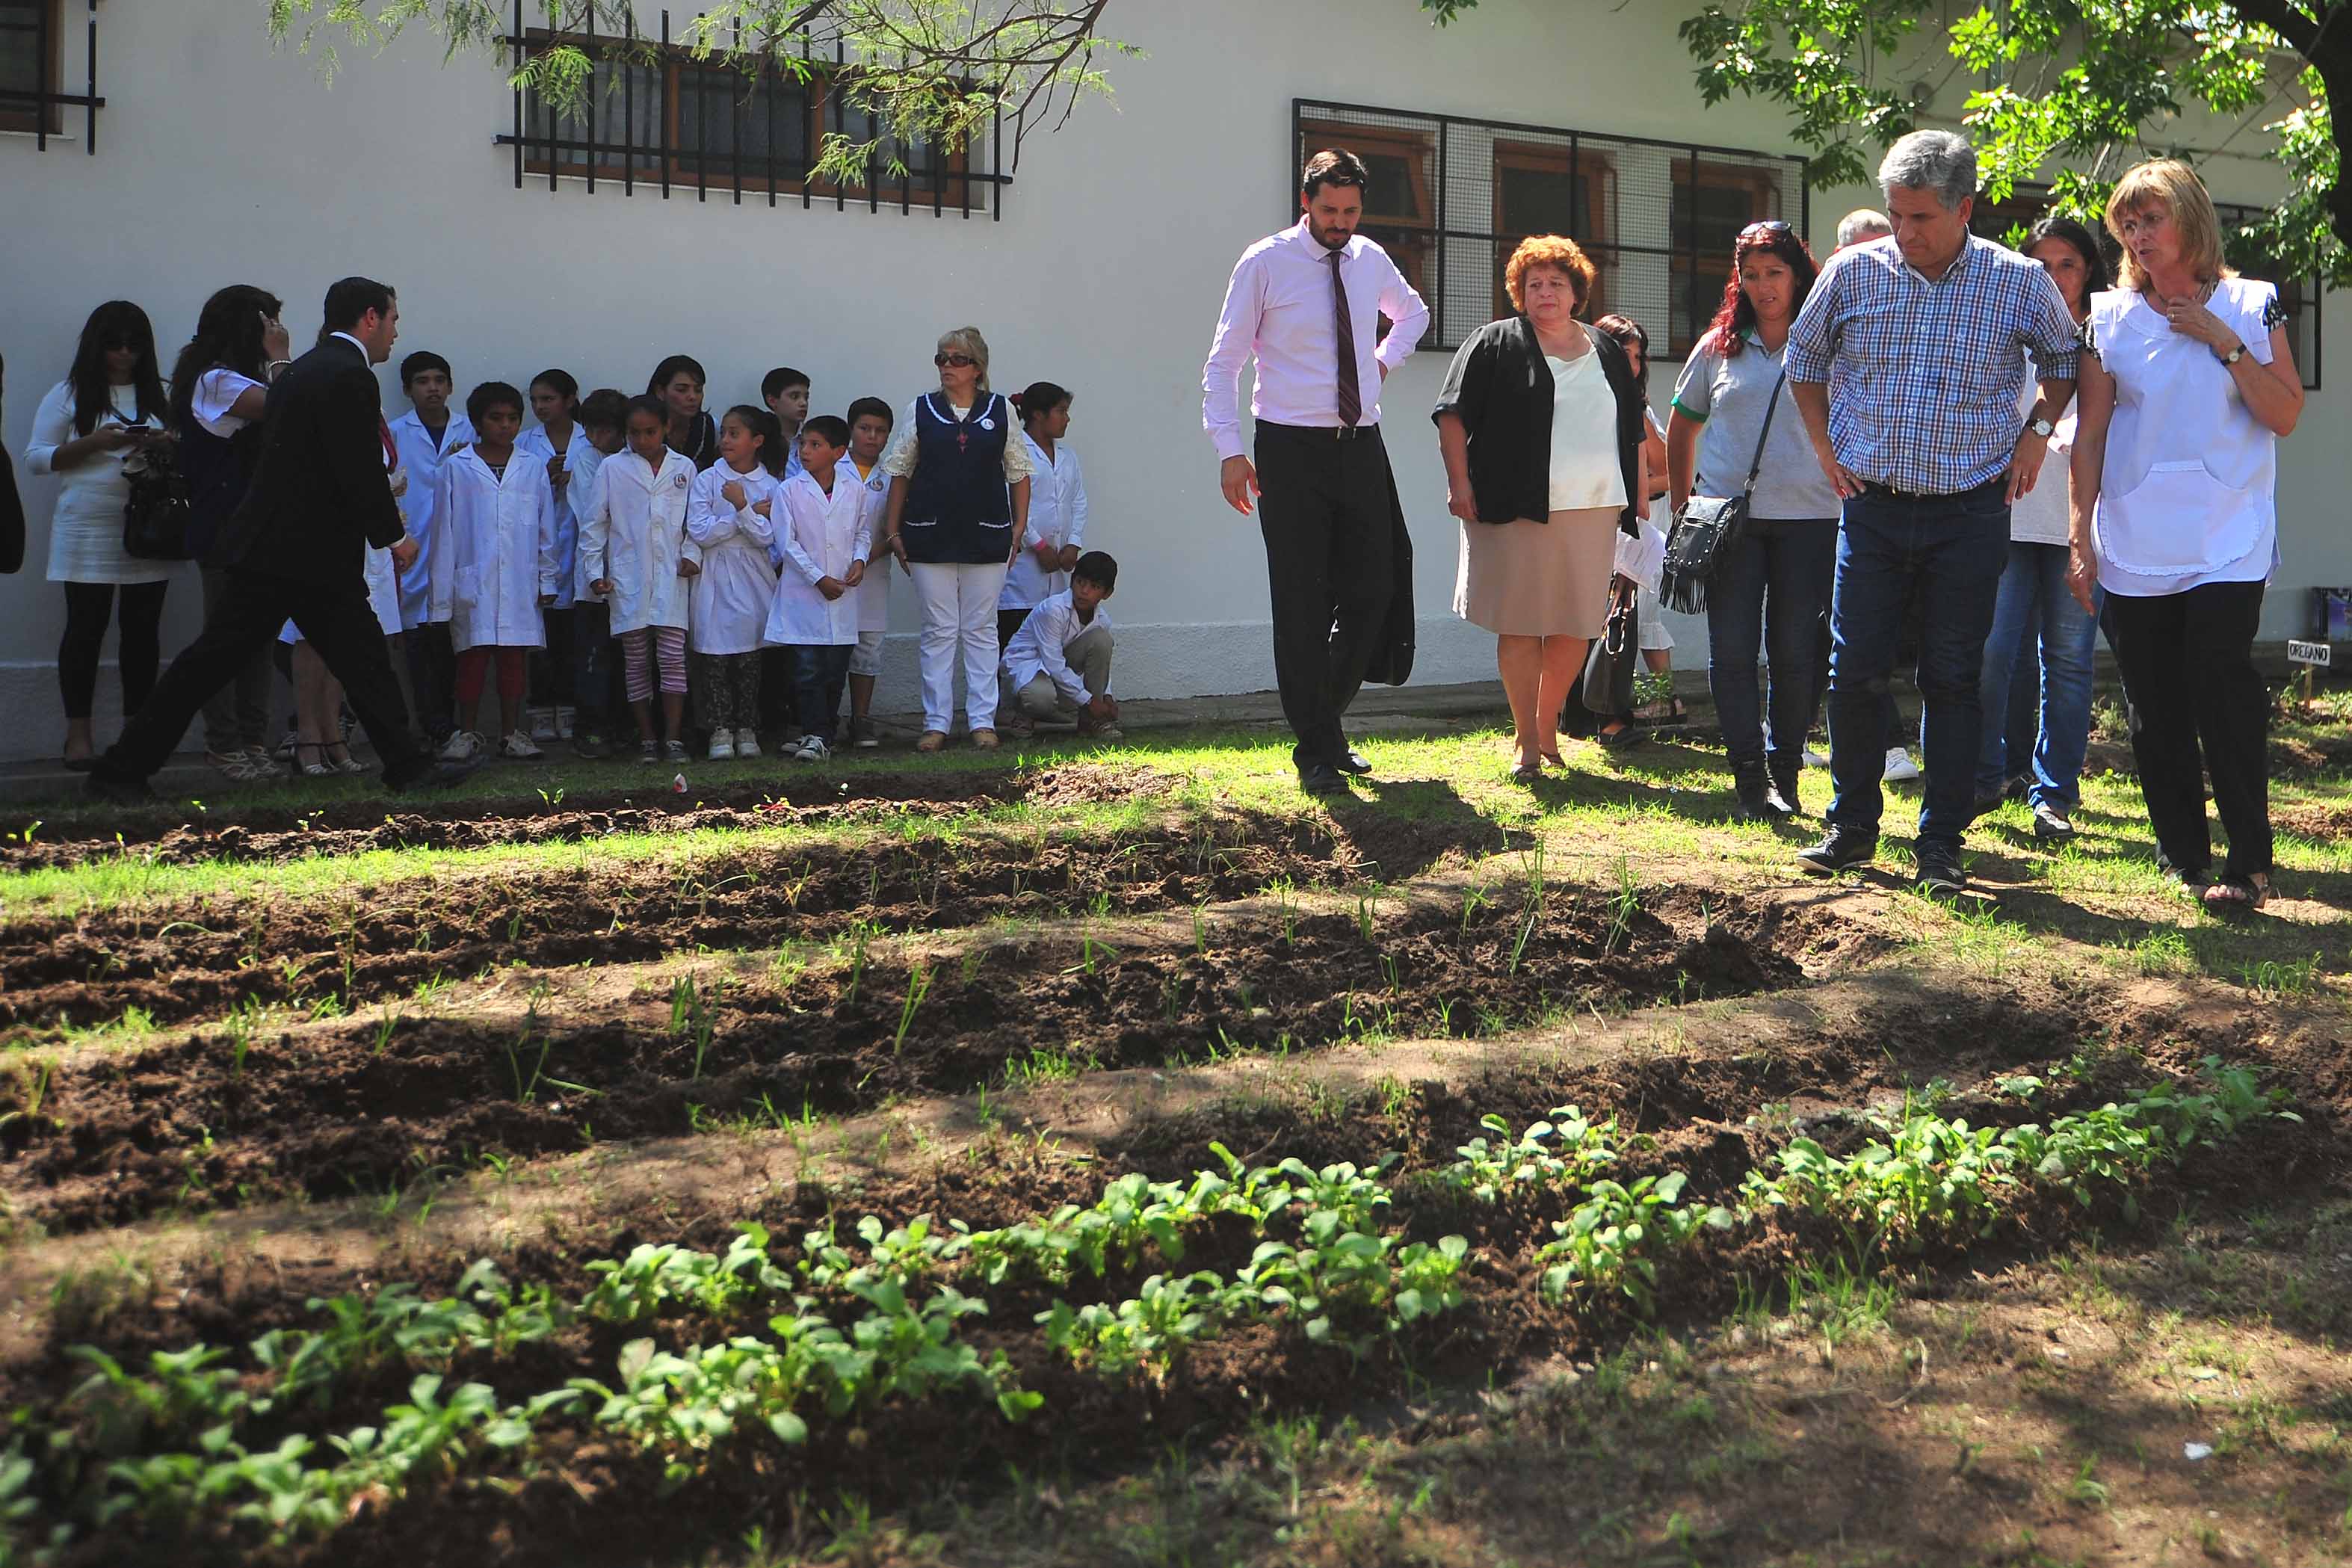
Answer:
(1039, 398)
(1096, 566)
(493, 394)
(1629, 334)
(768, 429)
(779, 378)
(832, 426)
(420, 362)
(870, 405)
(2095, 277)
(1332, 166)
(653, 406)
(559, 379)
(607, 407)
(669, 371)
(352, 297)
(117, 321)
(228, 333)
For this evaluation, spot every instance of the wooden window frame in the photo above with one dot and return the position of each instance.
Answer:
(1419, 153)
(1689, 175)
(1598, 172)
(47, 117)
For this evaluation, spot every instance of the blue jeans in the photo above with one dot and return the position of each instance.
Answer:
(1950, 550)
(817, 675)
(2033, 594)
(1770, 589)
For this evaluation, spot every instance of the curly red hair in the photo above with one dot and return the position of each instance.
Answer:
(1726, 334)
(1550, 250)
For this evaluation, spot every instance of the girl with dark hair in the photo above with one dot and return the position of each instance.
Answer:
(1732, 415)
(1058, 513)
(1655, 702)
(2034, 610)
(112, 405)
(678, 382)
(733, 514)
(219, 388)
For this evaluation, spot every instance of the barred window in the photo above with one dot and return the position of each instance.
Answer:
(654, 116)
(33, 93)
(1452, 198)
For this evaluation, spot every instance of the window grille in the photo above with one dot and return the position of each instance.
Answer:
(654, 116)
(1451, 198)
(33, 97)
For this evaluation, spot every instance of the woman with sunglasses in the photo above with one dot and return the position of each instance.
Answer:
(958, 509)
(1772, 583)
(110, 406)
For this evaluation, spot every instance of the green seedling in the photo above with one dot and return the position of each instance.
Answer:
(918, 985)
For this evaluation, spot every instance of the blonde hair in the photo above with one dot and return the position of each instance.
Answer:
(2172, 186)
(967, 339)
(1550, 250)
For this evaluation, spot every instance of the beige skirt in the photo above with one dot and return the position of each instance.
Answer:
(1530, 579)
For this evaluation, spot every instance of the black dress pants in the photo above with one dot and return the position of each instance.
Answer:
(2197, 707)
(433, 675)
(337, 623)
(1328, 510)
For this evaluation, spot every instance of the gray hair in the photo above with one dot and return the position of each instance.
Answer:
(1938, 161)
(1862, 223)
(968, 341)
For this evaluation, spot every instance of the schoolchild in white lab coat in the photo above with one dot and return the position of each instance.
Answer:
(869, 431)
(495, 566)
(822, 541)
(597, 696)
(555, 444)
(730, 529)
(424, 437)
(633, 551)
(1057, 509)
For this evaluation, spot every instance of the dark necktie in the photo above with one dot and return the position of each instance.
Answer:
(1351, 397)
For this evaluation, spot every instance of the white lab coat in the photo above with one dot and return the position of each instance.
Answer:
(738, 585)
(423, 461)
(873, 594)
(817, 536)
(632, 532)
(585, 461)
(383, 577)
(579, 462)
(497, 554)
(1057, 511)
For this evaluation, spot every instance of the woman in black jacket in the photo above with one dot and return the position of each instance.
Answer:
(1541, 426)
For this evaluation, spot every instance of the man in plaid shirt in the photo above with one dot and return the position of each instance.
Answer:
(1907, 364)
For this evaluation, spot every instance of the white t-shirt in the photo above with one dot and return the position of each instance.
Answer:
(1585, 468)
(217, 390)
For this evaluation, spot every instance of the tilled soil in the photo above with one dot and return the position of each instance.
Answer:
(208, 957)
(370, 1104)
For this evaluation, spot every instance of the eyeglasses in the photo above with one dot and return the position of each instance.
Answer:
(958, 362)
(1765, 229)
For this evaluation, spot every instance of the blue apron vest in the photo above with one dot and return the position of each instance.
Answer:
(959, 508)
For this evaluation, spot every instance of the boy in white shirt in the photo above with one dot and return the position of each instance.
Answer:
(426, 436)
(870, 420)
(1059, 663)
(822, 541)
(494, 566)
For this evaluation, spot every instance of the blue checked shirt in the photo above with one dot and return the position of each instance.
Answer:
(1924, 377)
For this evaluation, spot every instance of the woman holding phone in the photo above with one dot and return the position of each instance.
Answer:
(110, 406)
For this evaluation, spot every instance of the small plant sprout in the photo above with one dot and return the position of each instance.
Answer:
(860, 934)
(1367, 914)
(918, 985)
(1623, 905)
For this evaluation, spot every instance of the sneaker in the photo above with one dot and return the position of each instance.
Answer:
(263, 767)
(865, 734)
(1900, 768)
(2052, 825)
(1813, 759)
(649, 751)
(539, 724)
(1841, 850)
(231, 765)
(747, 743)
(1940, 876)
(723, 745)
(521, 748)
(674, 751)
(1986, 802)
(1103, 732)
(285, 747)
(462, 746)
(812, 749)
(590, 744)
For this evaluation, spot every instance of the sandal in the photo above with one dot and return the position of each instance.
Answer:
(318, 767)
(346, 764)
(2237, 894)
(1665, 710)
(1526, 772)
(1623, 738)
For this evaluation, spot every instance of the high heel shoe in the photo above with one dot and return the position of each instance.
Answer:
(318, 766)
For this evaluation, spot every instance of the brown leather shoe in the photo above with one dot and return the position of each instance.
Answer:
(931, 741)
(984, 739)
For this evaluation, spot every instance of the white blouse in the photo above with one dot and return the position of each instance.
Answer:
(899, 459)
(216, 392)
(1585, 468)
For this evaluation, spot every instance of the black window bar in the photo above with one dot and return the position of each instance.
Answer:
(790, 112)
(46, 95)
(1439, 183)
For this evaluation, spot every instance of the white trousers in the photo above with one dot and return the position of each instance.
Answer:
(959, 612)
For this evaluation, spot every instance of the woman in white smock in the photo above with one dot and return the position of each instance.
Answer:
(2186, 389)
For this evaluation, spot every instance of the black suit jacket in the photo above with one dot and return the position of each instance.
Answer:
(319, 496)
(1501, 387)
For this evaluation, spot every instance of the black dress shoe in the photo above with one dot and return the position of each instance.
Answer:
(1352, 762)
(1321, 779)
(440, 775)
(1841, 850)
(116, 791)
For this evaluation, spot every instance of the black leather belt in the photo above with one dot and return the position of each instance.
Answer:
(1322, 432)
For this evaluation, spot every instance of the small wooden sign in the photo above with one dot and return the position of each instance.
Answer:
(2319, 655)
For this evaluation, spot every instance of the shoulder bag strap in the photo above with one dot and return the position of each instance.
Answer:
(1757, 467)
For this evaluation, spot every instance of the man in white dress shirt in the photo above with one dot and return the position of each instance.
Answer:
(1307, 302)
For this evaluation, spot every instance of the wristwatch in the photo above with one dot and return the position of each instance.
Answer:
(2042, 428)
(2234, 355)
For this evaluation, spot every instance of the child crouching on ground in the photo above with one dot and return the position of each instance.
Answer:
(494, 566)
(633, 548)
(1059, 663)
(730, 528)
(821, 540)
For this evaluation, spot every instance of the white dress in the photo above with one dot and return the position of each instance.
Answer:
(738, 583)
(86, 529)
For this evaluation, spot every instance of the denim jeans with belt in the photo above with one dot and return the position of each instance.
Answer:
(1771, 589)
(1950, 550)
(2033, 593)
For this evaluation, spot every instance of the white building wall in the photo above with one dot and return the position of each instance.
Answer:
(221, 162)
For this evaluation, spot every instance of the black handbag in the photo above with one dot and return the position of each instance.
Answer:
(156, 518)
(1708, 527)
(1608, 687)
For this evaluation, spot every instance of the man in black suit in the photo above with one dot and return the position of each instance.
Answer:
(296, 550)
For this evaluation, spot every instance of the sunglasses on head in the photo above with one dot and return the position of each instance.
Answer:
(958, 362)
(1765, 230)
